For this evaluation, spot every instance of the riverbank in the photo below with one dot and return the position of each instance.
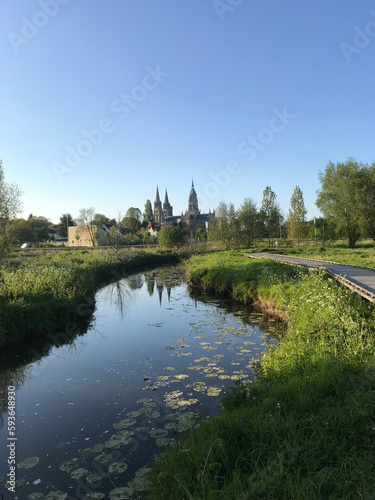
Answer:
(40, 293)
(306, 429)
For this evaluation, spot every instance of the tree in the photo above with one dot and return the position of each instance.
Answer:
(341, 196)
(86, 216)
(66, 221)
(148, 214)
(366, 199)
(132, 220)
(100, 219)
(270, 214)
(10, 206)
(77, 237)
(248, 219)
(297, 216)
(225, 226)
(20, 231)
(172, 236)
(41, 225)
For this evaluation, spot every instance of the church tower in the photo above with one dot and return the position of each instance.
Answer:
(193, 201)
(167, 207)
(158, 211)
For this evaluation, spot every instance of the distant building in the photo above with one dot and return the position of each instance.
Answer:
(84, 239)
(163, 214)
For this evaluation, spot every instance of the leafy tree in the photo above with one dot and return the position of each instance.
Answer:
(135, 213)
(248, 219)
(100, 219)
(10, 206)
(297, 216)
(225, 226)
(201, 234)
(66, 220)
(366, 199)
(20, 231)
(85, 218)
(172, 236)
(270, 215)
(341, 197)
(148, 214)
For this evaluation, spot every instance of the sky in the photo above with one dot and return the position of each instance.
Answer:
(101, 101)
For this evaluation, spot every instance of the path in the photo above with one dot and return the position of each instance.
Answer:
(357, 278)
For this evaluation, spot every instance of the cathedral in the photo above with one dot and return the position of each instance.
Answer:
(163, 213)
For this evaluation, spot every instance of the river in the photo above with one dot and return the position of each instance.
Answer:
(93, 408)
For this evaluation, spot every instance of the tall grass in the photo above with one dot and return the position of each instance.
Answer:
(38, 293)
(306, 428)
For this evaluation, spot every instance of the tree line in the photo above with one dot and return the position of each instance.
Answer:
(346, 199)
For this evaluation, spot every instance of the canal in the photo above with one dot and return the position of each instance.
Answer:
(93, 408)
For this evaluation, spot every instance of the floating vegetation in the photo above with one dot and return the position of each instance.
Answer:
(158, 433)
(94, 478)
(149, 360)
(95, 496)
(123, 424)
(181, 377)
(56, 495)
(169, 369)
(121, 493)
(117, 468)
(36, 496)
(213, 391)
(94, 449)
(133, 414)
(28, 463)
(151, 387)
(144, 400)
(201, 359)
(164, 441)
(78, 473)
(180, 354)
(103, 458)
(199, 386)
(18, 483)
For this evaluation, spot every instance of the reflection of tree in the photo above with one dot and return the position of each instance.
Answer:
(150, 282)
(17, 361)
(135, 282)
(8, 377)
(120, 294)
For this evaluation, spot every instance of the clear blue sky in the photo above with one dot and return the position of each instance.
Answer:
(181, 89)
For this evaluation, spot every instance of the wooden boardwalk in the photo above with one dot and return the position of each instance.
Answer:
(357, 278)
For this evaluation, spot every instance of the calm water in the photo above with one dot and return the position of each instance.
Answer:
(92, 413)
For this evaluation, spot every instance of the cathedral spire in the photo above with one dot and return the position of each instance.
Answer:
(166, 201)
(157, 200)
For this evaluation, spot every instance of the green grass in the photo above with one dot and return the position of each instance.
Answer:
(306, 428)
(362, 255)
(44, 289)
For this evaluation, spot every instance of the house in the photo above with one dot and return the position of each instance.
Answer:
(79, 236)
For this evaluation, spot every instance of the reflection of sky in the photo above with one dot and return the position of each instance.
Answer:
(79, 391)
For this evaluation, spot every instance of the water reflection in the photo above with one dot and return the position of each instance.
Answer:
(162, 360)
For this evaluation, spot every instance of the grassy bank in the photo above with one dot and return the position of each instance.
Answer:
(362, 255)
(41, 290)
(306, 429)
